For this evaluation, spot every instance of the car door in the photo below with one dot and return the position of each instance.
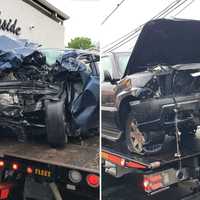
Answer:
(108, 105)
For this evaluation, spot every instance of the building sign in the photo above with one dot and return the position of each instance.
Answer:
(10, 25)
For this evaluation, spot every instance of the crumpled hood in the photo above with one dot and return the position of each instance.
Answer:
(166, 42)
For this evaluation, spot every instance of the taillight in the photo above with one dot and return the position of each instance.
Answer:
(75, 176)
(29, 170)
(15, 166)
(93, 180)
(4, 191)
(152, 182)
(2, 163)
(121, 161)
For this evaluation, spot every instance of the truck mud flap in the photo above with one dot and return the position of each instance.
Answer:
(37, 191)
(55, 124)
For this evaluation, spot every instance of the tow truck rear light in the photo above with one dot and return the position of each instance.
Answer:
(121, 161)
(75, 176)
(2, 163)
(4, 191)
(15, 166)
(29, 170)
(153, 182)
(93, 180)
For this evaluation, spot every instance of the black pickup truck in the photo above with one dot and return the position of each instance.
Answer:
(158, 92)
(151, 107)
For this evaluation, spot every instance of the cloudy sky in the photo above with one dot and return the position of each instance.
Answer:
(84, 17)
(87, 15)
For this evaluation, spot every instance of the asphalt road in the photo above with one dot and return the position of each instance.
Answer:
(125, 189)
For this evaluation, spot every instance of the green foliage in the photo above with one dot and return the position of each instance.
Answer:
(80, 43)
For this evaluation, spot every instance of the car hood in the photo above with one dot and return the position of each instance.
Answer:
(165, 42)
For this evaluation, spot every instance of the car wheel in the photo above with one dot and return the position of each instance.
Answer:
(142, 142)
(56, 124)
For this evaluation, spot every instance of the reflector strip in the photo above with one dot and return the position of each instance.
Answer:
(135, 165)
(114, 159)
(122, 162)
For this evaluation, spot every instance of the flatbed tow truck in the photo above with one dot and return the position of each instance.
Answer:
(33, 170)
(155, 174)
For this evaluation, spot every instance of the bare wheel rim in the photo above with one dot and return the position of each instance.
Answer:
(136, 137)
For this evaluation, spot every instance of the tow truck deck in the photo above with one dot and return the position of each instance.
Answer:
(155, 172)
(53, 172)
(189, 149)
(83, 155)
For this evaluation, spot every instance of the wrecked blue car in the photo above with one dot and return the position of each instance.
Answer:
(48, 91)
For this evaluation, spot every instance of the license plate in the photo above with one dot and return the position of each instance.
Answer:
(43, 172)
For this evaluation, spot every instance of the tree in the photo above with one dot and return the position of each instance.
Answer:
(80, 43)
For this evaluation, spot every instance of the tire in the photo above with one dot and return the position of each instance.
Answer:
(141, 142)
(55, 124)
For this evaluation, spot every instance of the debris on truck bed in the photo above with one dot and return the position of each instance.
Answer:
(48, 91)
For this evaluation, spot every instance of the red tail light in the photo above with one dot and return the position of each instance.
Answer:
(93, 180)
(2, 163)
(29, 170)
(15, 166)
(153, 182)
(4, 191)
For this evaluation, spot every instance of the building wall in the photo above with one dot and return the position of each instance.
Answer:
(46, 31)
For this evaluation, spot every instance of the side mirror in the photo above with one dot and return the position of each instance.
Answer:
(107, 76)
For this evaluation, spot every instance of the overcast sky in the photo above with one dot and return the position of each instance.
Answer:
(86, 16)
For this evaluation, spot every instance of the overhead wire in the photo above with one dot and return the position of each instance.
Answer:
(167, 12)
(134, 36)
(112, 12)
(171, 8)
(131, 32)
(184, 8)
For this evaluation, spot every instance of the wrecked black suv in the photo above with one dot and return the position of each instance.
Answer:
(157, 93)
(48, 91)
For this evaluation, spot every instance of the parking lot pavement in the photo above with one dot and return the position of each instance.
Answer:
(124, 189)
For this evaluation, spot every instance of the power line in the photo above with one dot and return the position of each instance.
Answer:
(165, 12)
(112, 12)
(131, 32)
(131, 37)
(185, 7)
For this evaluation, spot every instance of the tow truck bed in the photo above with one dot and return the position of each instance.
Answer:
(75, 155)
(190, 148)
